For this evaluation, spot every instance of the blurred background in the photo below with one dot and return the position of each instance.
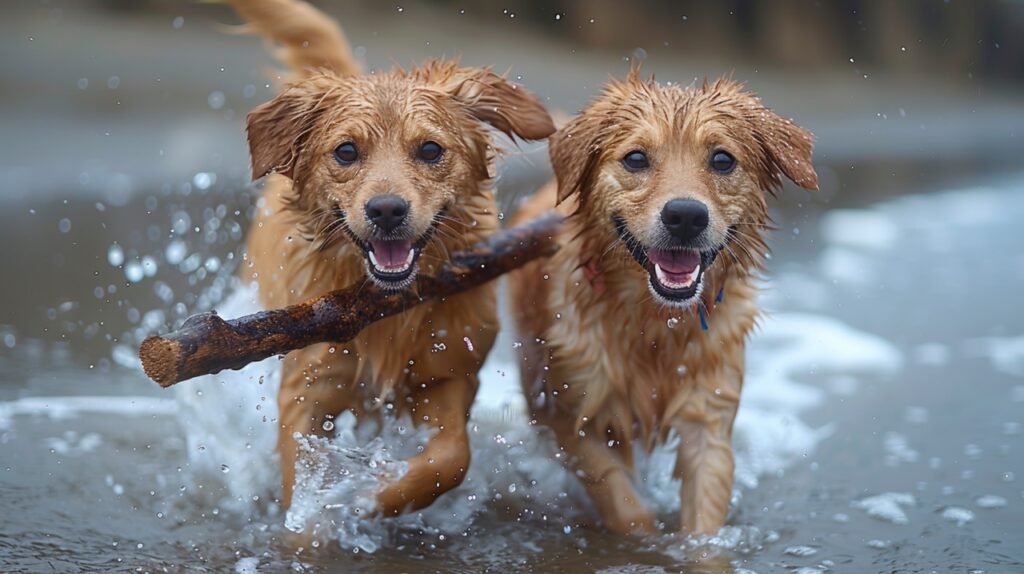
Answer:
(112, 100)
(124, 199)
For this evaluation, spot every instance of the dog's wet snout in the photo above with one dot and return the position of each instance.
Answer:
(685, 219)
(387, 212)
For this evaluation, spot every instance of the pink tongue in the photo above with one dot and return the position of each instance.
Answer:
(391, 254)
(675, 261)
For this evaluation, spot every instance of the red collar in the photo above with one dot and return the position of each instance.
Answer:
(593, 276)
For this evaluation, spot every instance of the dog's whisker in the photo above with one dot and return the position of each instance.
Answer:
(753, 247)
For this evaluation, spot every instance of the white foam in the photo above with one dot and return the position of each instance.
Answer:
(800, 551)
(847, 267)
(72, 443)
(960, 516)
(248, 565)
(338, 477)
(64, 407)
(512, 462)
(862, 228)
(887, 506)
(231, 419)
(1006, 353)
(990, 501)
(897, 450)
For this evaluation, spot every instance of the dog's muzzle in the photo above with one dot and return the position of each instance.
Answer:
(392, 256)
(676, 274)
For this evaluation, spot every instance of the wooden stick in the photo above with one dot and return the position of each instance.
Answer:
(207, 344)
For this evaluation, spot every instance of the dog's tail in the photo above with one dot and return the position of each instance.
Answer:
(309, 39)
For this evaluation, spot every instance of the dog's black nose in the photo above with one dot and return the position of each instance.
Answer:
(387, 212)
(685, 218)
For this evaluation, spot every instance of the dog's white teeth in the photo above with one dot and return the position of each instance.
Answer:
(400, 269)
(667, 281)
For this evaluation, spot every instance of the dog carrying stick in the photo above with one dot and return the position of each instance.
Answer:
(207, 344)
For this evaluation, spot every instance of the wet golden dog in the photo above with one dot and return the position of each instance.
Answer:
(667, 190)
(378, 178)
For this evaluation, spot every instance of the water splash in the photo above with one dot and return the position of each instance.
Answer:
(514, 465)
(336, 480)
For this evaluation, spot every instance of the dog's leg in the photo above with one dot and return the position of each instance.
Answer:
(606, 475)
(313, 388)
(705, 461)
(443, 405)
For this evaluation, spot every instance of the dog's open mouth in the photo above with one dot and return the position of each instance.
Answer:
(676, 273)
(392, 261)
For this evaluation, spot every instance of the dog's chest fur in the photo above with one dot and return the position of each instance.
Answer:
(622, 363)
(387, 359)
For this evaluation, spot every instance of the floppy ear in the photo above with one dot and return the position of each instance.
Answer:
(278, 129)
(783, 147)
(575, 153)
(491, 98)
(790, 148)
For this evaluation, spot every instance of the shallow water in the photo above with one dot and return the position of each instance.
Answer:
(880, 428)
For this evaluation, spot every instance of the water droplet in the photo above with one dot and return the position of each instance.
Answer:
(512, 488)
(672, 322)
(328, 425)
(469, 343)
(215, 100)
(178, 22)
(115, 255)
(681, 370)
(225, 468)
(64, 225)
(204, 179)
(134, 272)
(149, 266)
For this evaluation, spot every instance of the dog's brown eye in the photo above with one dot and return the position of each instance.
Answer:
(636, 161)
(430, 152)
(722, 161)
(346, 153)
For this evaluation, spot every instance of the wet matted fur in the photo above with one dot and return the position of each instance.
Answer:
(614, 349)
(334, 139)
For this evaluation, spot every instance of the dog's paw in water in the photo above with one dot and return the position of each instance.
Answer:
(335, 487)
